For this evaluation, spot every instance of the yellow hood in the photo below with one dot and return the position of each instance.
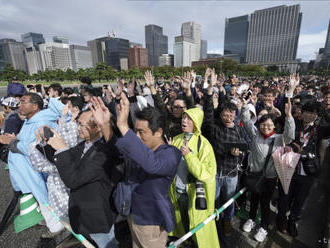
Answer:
(197, 115)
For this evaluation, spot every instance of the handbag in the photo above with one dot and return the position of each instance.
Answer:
(254, 181)
(122, 195)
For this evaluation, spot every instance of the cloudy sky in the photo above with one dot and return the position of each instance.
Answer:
(82, 20)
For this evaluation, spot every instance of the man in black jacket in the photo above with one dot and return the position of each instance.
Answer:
(87, 170)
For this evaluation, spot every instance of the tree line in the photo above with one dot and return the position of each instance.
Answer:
(105, 72)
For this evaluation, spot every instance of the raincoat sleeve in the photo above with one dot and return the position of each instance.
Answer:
(39, 161)
(203, 165)
(248, 124)
(289, 130)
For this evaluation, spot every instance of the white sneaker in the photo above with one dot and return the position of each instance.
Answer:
(261, 235)
(248, 225)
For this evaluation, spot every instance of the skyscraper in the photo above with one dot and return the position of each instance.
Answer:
(117, 53)
(185, 51)
(273, 35)
(32, 55)
(236, 35)
(327, 42)
(32, 39)
(55, 56)
(11, 52)
(192, 31)
(203, 49)
(156, 43)
(98, 50)
(138, 57)
(81, 57)
(60, 39)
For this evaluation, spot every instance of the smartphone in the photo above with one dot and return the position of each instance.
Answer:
(48, 133)
(248, 95)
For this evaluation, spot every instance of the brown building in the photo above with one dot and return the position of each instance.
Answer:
(204, 62)
(138, 57)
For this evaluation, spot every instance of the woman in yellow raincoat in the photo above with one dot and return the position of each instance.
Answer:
(198, 163)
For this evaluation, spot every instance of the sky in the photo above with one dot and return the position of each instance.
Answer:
(83, 20)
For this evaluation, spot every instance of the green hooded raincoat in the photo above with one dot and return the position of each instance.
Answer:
(202, 165)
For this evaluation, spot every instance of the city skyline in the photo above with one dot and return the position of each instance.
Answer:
(86, 20)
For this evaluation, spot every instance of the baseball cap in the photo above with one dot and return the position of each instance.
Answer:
(9, 102)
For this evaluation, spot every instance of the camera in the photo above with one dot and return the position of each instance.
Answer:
(30, 86)
(200, 203)
(105, 86)
(48, 133)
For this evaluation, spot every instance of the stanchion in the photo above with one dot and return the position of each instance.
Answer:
(201, 225)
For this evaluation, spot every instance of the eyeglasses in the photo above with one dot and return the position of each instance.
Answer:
(178, 107)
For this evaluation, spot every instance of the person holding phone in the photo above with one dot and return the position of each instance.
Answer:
(220, 129)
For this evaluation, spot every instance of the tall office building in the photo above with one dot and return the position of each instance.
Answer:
(98, 50)
(203, 49)
(185, 51)
(156, 43)
(11, 52)
(117, 53)
(236, 35)
(32, 55)
(55, 56)
(81, 57)
(273, 35)
(327, 42)
(166, 60)
(60, 39)
(192, 31)
(138, 57)
(32, 39)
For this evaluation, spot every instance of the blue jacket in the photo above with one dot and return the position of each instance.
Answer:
(155, 171)
(22, 175)
(14, 89)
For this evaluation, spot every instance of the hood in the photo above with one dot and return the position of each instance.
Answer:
(197, 115)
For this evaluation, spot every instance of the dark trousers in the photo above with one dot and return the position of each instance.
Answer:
(296, 197)
(264, 200)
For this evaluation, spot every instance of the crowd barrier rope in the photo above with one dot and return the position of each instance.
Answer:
(67, 226)
(210, 218)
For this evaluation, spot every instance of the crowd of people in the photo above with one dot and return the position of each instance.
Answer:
(180, 146)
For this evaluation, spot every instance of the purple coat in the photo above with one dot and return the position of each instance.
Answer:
(155, 171)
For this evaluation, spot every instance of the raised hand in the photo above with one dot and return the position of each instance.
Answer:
(100, 112)
(207, 74)
(193, 75)
(101, 116)
(213, 81)
(294, 82)
(56, 141)
(186, 82)
(120, 86)
(131, 88)
(150, 81)
(122, 114)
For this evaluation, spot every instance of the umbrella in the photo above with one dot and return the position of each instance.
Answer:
(285, 162)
